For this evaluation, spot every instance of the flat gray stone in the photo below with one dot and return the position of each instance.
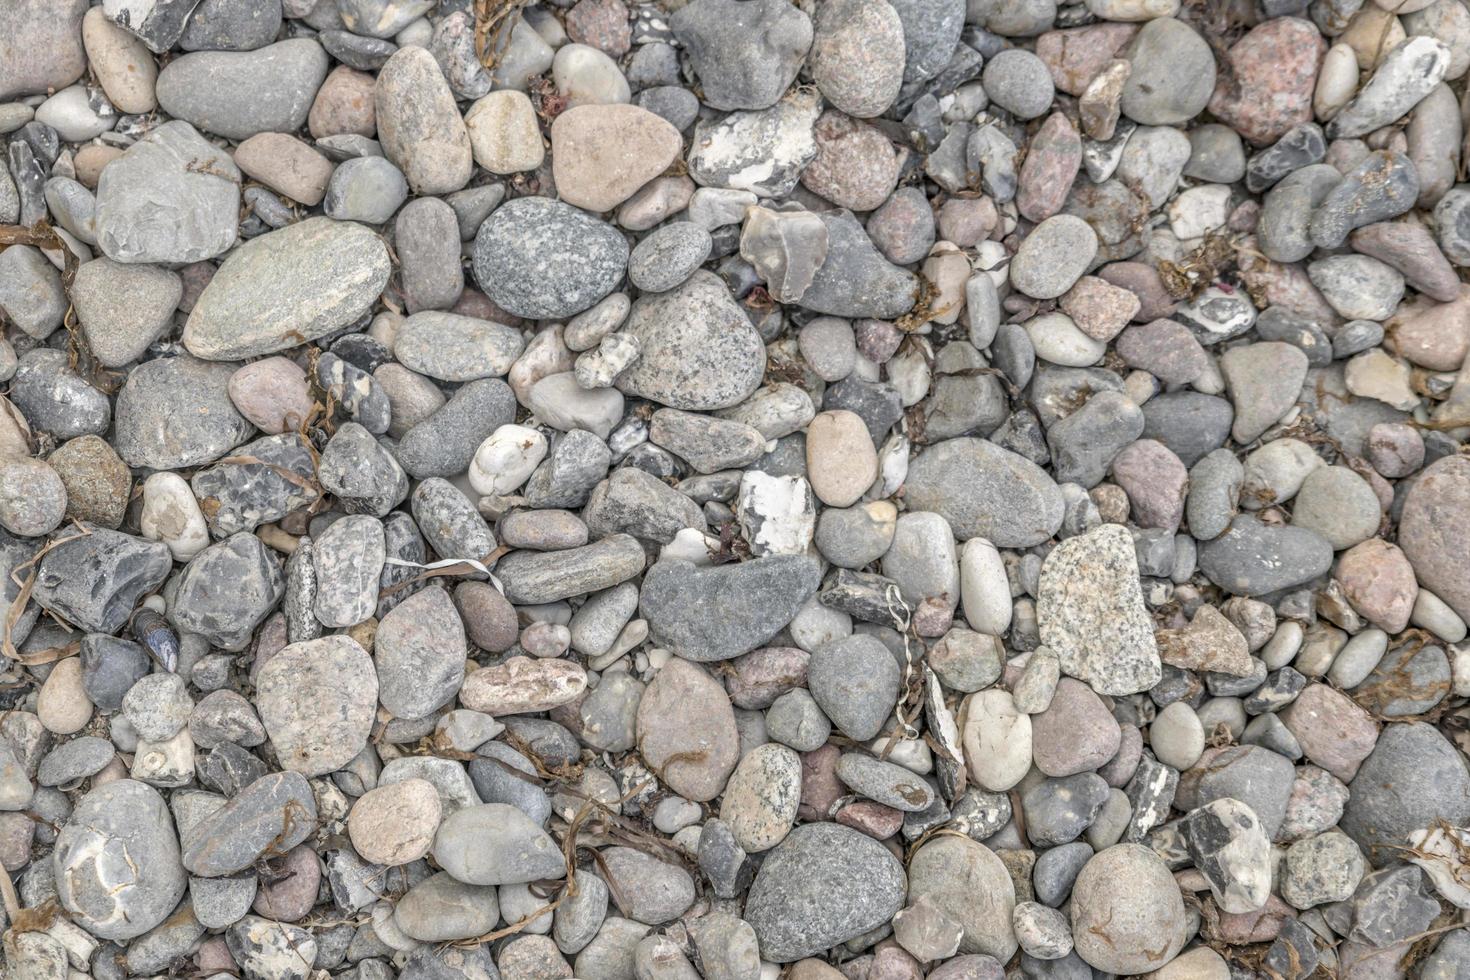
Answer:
(984, 491)
(535, 577)
(286, 288)
(172, 197)
(755, 599)
(237, 94)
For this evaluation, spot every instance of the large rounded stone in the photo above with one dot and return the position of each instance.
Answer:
(1434, 531)
(419, 124)
(602, 154)
(823, 885)
(700, 350)
(686, 731)
(287, 288)
(543, 259)
(317, 699)
(1127, 913)
(117, 861)
(967, 882)
(1413, 778)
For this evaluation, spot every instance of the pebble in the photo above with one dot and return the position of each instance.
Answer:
(259, 302)
(237, 94)
(857, 56)
(117, 861)
(1053, 257)
(761, 466)
(419, 124)
(194, 182)
(602, 154)
(333, 675)
(514, 246)
(821, 886)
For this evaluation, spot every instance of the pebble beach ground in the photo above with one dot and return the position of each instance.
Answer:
(741, 489)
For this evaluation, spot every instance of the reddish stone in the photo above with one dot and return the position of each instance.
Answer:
(877, 339)
(874, 819)
(762, 676)
(1144, 282)
(603, 24)
(213, 956)
(1076, 56)
(1261, 926)
(1050, 167)
(855, 167)
(891, 962)
(290, 897)
(1379, 582)
(1155, 480)
(1333, 731)
(1283, 285)
(820, 787)
(1099, 308)
(1266, 83)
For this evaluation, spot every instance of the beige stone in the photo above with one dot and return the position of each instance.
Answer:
(343, 105)
(63, 705)
(841, 462)
(122, 63)
(602, 154)
(686, 731)
(504, 134)
(522, 685)
(286, 165)
(90, 160)
(395, 824)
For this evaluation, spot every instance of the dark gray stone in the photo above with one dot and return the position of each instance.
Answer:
(755, 599)
(96, 579)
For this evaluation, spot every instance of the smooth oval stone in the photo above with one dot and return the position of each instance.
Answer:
(700, 350)
(419, 652)
(543, 259)
(967, 882)
(440, 909)
(117, 864)
(686, 730)
(419, 124)
(237, 94)
(287, 288)
(451, 347)
(496, 844)
(821, 886)
(855, 681)
(1252, 558)
(1432, 531)
(984, 491)
(1127, 913)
